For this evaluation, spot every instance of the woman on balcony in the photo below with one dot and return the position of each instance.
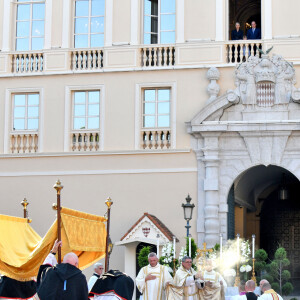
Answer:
(236, 34)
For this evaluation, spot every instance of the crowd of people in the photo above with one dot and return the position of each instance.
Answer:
(65, 281)
(155, 283)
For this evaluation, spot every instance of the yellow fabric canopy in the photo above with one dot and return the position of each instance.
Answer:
(22, 250)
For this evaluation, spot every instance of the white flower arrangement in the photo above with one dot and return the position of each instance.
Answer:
(183, 252)
(229, 273)
(167, 253)
(245, 268)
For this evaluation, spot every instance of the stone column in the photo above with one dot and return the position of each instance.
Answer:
(201, 198)
(211, 188)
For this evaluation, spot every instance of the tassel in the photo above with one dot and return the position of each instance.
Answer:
(65, 285)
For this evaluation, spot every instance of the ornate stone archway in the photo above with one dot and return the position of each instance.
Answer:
(257, 123)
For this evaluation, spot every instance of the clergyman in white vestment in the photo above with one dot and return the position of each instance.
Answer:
(184, 286)
(214, 284)
(268, 293)
(153, 279)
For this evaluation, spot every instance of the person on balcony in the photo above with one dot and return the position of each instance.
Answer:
(237, 33)
(253, 33)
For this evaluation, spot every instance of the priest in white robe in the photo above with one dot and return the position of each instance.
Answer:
(269, 293)
(153, 279)
(184, 284)
(214, 284)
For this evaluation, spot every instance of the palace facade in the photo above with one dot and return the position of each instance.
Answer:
(142, 101)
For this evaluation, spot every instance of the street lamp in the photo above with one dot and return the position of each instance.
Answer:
(188, 212)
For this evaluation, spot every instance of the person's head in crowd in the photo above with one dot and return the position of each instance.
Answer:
(152, 259)
(250, 286)
(237, 26)
(71, 258)
(253, 24)
(98, 268)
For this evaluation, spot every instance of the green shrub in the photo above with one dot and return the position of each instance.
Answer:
(143, 256)
(287, 289)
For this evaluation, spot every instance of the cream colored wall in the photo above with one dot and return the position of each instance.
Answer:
(121, 21)
(1, 21)
(285, 18)
(200, 20)
(57, 23)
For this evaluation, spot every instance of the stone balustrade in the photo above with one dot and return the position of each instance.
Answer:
(135, 57)
(156, 139)
(87, 59)
(84, 141)
(29, 62)
(24, 142)
(240, 51)
(158, 56)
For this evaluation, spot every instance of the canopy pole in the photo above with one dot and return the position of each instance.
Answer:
(58, 188)
(25, 203)
(109, 203)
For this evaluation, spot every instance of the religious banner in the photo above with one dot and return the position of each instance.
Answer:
(23, 250)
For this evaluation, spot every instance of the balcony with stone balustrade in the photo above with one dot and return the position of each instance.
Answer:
(196, 54)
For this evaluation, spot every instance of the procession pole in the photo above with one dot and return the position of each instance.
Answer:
(58, 188)
(25, 203)
(109, 203)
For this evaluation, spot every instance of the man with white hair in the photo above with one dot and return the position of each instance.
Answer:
(269, 293)
(153, 279)
(98, 270)
(61, 281)
(261, 283)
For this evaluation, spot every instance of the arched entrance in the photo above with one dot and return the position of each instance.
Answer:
(244, 12)
(265, 201)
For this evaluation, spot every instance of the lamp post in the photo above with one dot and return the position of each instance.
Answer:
(188, 213)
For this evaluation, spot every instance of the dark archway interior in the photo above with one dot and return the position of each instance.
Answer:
(274, 218)
(139, 247)
(244, 12)
(280, 225)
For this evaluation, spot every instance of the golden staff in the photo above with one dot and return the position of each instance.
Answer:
(58, 188)
(109, 203)
(25, 203)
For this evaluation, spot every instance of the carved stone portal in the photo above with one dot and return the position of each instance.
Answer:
(257, 123)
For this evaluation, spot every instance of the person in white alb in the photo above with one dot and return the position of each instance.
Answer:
(153, 279)
(184, 285)
(214, 283)
(98, 270)
(269, 293)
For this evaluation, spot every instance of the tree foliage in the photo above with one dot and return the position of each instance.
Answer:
(193, 248)
(277, 270)
(287, 288)
(143, 256)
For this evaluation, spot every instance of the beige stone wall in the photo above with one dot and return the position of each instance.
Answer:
(285, 18)
(57, 23)
(200, 20)
(1, 23)
(121, 24)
